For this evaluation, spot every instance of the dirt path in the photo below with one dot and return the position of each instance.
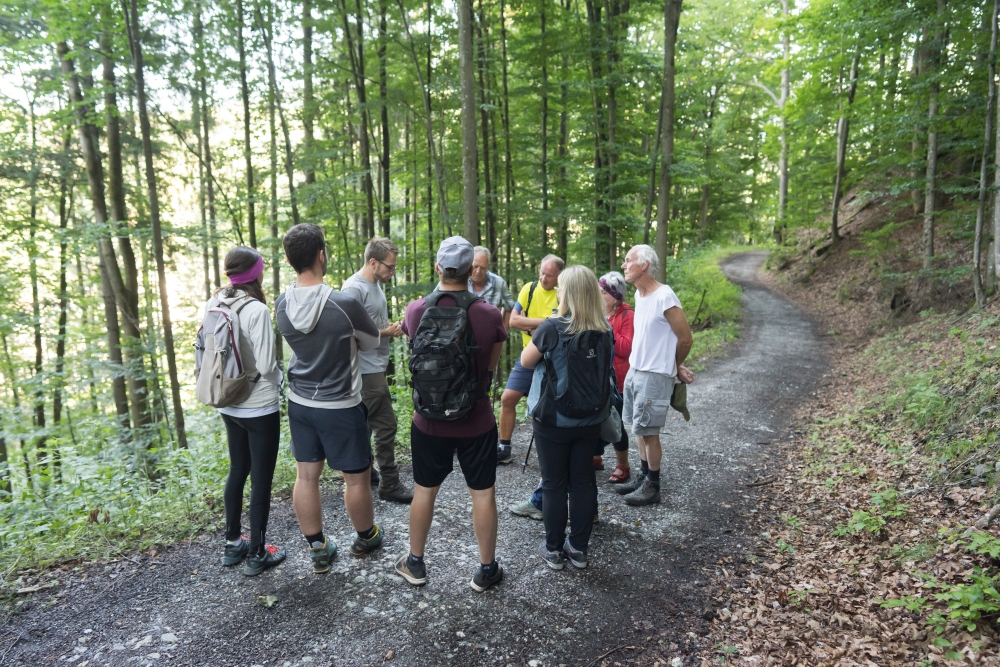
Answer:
(643, 594)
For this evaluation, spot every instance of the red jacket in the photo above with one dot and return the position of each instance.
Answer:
(622, 326)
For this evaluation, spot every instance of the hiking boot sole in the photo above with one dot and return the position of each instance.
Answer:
(641, 502)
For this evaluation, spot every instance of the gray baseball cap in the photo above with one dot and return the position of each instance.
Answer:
(455, 253)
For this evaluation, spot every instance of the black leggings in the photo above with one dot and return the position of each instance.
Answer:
(253, 452)
(566, 459)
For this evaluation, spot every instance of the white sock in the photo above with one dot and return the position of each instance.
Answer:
(235, 543)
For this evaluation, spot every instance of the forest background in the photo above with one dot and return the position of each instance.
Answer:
(141, 140)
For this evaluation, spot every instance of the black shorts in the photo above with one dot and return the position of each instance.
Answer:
(341, 436)
(434, 458)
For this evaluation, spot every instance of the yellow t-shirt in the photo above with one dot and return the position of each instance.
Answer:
(544, 303)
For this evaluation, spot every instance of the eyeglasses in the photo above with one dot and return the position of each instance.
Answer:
(391, 267)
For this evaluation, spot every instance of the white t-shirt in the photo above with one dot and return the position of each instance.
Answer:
(654, 345)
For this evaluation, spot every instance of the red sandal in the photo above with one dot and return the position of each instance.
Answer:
(620, 475)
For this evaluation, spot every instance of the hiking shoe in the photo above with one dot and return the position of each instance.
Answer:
(362, 547)
(647, 494)
(323, 556)
(553, 559)
(505, 454)
(525, 508)
(376, 478)
(256, 564)
(416, 574)
(234, 553)
(629, 487)
(575, 556)
(480, 582)
(397, 493)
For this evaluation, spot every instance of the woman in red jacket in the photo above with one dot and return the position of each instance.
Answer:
(620, 316)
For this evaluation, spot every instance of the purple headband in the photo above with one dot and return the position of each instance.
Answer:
(250, 274)
(612, 292)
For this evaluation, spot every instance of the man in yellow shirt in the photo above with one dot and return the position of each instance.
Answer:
(536, 301)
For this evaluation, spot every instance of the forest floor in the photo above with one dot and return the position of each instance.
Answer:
(645, 599)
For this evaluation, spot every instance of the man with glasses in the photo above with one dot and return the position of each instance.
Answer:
(365, 286)
(490, 287)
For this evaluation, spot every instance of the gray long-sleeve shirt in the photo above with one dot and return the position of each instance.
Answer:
(325, 329)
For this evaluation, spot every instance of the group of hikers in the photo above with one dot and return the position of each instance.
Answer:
(592, 369)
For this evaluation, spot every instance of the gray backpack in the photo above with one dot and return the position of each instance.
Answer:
(218, 368)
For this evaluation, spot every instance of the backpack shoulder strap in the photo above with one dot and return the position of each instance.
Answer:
(464, 298)
(244, 304)
(531, 293)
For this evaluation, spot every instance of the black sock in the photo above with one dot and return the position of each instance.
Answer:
(491, 569)
(367, 534)
(505, 443)
(315, 541)
(654, 476)
(644, 467)
(414, 560)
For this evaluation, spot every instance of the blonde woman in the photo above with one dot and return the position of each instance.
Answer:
(568, 401)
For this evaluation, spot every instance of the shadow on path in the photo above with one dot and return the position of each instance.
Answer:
(647, 575)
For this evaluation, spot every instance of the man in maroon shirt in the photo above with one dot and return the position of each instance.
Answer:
(474, 439)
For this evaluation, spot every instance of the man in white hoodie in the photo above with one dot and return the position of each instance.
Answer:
(328, 421)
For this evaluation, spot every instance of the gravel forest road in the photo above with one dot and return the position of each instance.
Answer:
(641, 598)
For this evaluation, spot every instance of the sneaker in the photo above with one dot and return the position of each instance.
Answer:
(525, 508)
(376, 478)
(553, 559)
(598, 463)
(362, 547)
(323, 556)
(234, 553)
(629, 487)
(397, 493)
(480, 582)
(647, 494)
(415, 574)
(256, 564)
(505, 454)
(575, 556)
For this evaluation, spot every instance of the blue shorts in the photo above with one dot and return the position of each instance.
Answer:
(341, 436)
(519, 379)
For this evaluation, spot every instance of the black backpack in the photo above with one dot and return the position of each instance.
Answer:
(575, 389)
(445, 380)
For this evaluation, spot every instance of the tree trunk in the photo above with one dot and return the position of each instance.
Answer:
(484, 116)
(132, 21)
(212, 225)
(544, 221)
(470, 157)
(12, 381)
(507, 164)
(308, 105)
(671, 20)
(65, 210)
(843, 130)
(654, 161)
(383, 41)
(90, 150)
(275, 237)
(36, 309)
(977, 278)
(245, 95)
(779, 226)
(916, 74)
(932, 110)
(196, 123)
(562, 234)
(357, 59)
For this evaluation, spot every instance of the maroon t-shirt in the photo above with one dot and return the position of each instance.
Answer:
(487, 328)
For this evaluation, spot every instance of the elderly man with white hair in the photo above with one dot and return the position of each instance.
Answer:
(489, 286)
(661, 343)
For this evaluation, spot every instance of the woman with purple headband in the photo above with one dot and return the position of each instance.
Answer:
(253, 427)
(620, 316)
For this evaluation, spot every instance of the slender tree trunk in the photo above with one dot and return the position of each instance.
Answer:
(470, 157)
(562, 233)
(671, 20)
(272, 78)
(843, 130)
(357, 59)
(916, 75)
(207, 147)
(59, 379)
(383, 7)
(36, 310)
(275, 236)
(507, 164)
(196, 123)
(654, 162)
(544, 222)
(132, 21)
(484, 116)
(90, 150)
(779, 226)
(245, 95)
(308, 104)
(932, 111)
(977, 246)
(12, 381)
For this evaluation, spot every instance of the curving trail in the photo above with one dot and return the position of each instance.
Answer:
(647, 574)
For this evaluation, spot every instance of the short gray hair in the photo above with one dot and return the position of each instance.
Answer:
(555, 259)
(481, 250)
(615, 281)
(645, 254)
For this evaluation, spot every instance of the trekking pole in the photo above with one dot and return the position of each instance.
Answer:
(524, 466)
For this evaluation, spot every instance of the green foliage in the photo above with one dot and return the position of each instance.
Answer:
(860, 522)
(966, 604)
(887, 503)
